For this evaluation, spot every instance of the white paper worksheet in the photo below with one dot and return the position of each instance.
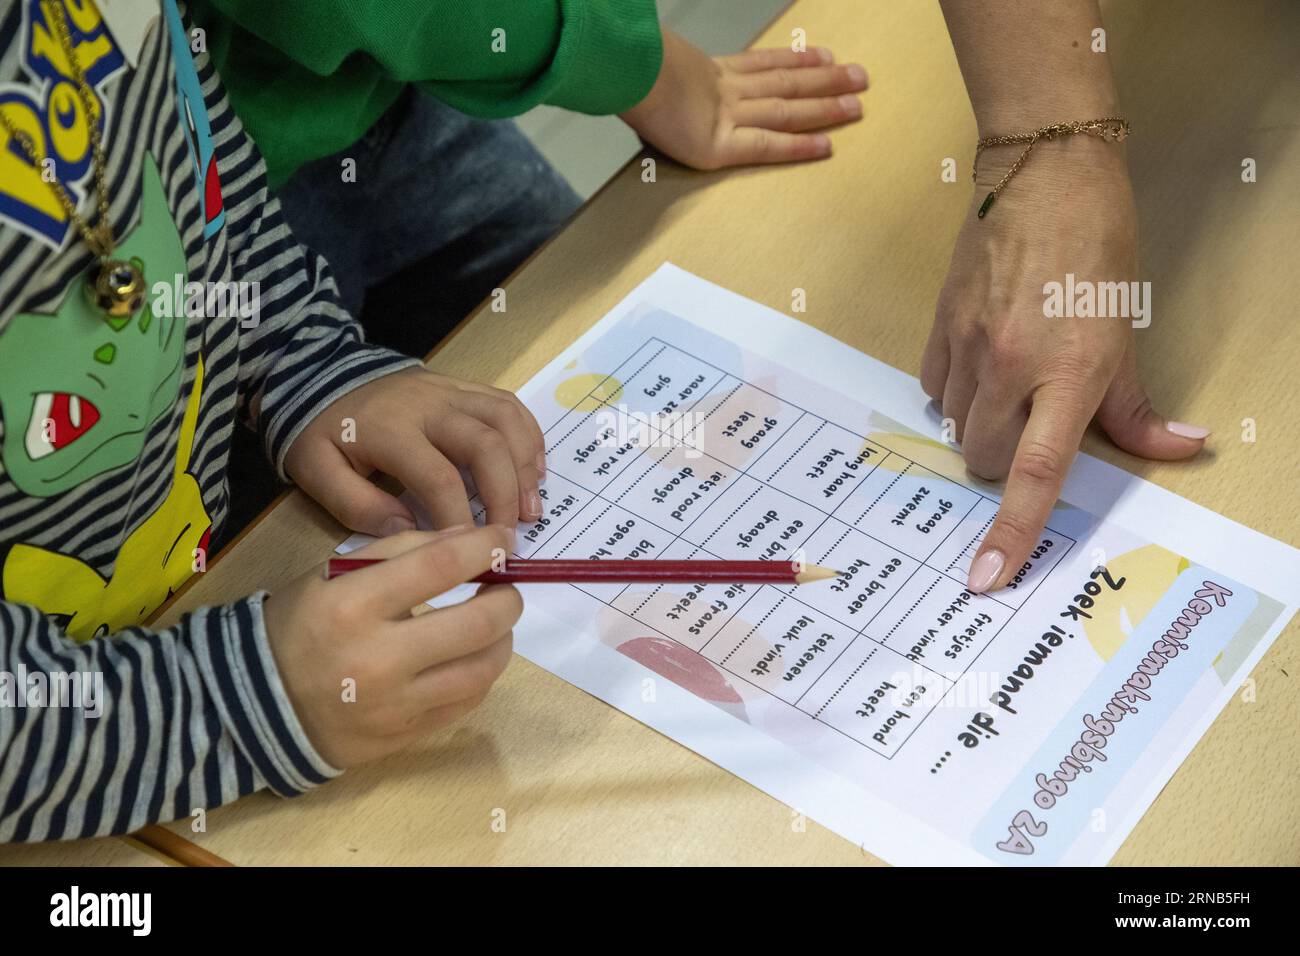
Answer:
(929, 725)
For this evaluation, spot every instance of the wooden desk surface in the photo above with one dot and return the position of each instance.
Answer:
(107, 851)
(867, 235)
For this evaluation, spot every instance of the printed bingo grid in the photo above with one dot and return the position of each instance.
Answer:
(870, 653)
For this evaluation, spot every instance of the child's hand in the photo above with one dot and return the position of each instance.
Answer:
(1020, 387)
(411, 674)
(755, 107)
(421, 428)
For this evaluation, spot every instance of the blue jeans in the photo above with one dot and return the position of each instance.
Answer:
(443, 208)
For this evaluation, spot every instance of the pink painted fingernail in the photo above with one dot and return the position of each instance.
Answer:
(534, 505)
(1184, 430)
(985, 571)
(851, 105)
(541, 463)
(856, 74)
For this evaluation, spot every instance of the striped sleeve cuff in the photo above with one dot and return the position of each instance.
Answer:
(352, 364)
(236, 664)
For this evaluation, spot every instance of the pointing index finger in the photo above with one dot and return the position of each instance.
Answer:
(1043, 457)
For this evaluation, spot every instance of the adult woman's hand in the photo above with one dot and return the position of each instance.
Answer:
(1020, 386)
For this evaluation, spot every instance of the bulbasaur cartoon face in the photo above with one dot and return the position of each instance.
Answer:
(79, 389)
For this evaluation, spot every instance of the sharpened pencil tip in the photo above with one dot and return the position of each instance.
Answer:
(815, 572)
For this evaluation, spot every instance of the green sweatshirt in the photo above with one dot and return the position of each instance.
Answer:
(309, 77)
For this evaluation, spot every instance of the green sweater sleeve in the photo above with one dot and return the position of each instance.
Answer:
(309, 77)
(592, 56)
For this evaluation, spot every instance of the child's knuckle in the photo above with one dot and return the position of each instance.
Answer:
(369, 667)
(490, 439)
(445, 480)
(488, 668)
(376, 721)
(475, 620)
(502, 399)
(440, 563)
(781, 113)
(348, 609)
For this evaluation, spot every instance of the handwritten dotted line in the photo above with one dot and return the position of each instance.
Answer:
(973, 541)
(846, 682)
(753, 629)
(886, 491)
(603, 402)
(584, 531)
(724, 521)
(802, 446)
(925, 594)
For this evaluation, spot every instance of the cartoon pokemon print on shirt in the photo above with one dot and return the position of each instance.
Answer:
(194, 121)
(51, 112)
(78, 393)
(78, 390)
(156, 558)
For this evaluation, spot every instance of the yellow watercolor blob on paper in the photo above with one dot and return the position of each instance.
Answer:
(936, 456)
(588, 392)
(1148, 572)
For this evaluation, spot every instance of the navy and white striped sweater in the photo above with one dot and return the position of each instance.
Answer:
(116, 435)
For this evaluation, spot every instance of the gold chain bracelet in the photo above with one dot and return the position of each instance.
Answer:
(1112, 128)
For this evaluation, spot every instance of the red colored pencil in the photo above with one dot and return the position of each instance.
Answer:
(545, 571)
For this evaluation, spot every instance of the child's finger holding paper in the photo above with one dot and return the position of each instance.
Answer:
(428, 474)
(508, 419)
(526, 419)
(484, 451)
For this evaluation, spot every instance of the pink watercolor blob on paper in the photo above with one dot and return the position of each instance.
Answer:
(683, 667)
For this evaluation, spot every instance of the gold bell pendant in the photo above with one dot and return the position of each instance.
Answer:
(119, 289)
